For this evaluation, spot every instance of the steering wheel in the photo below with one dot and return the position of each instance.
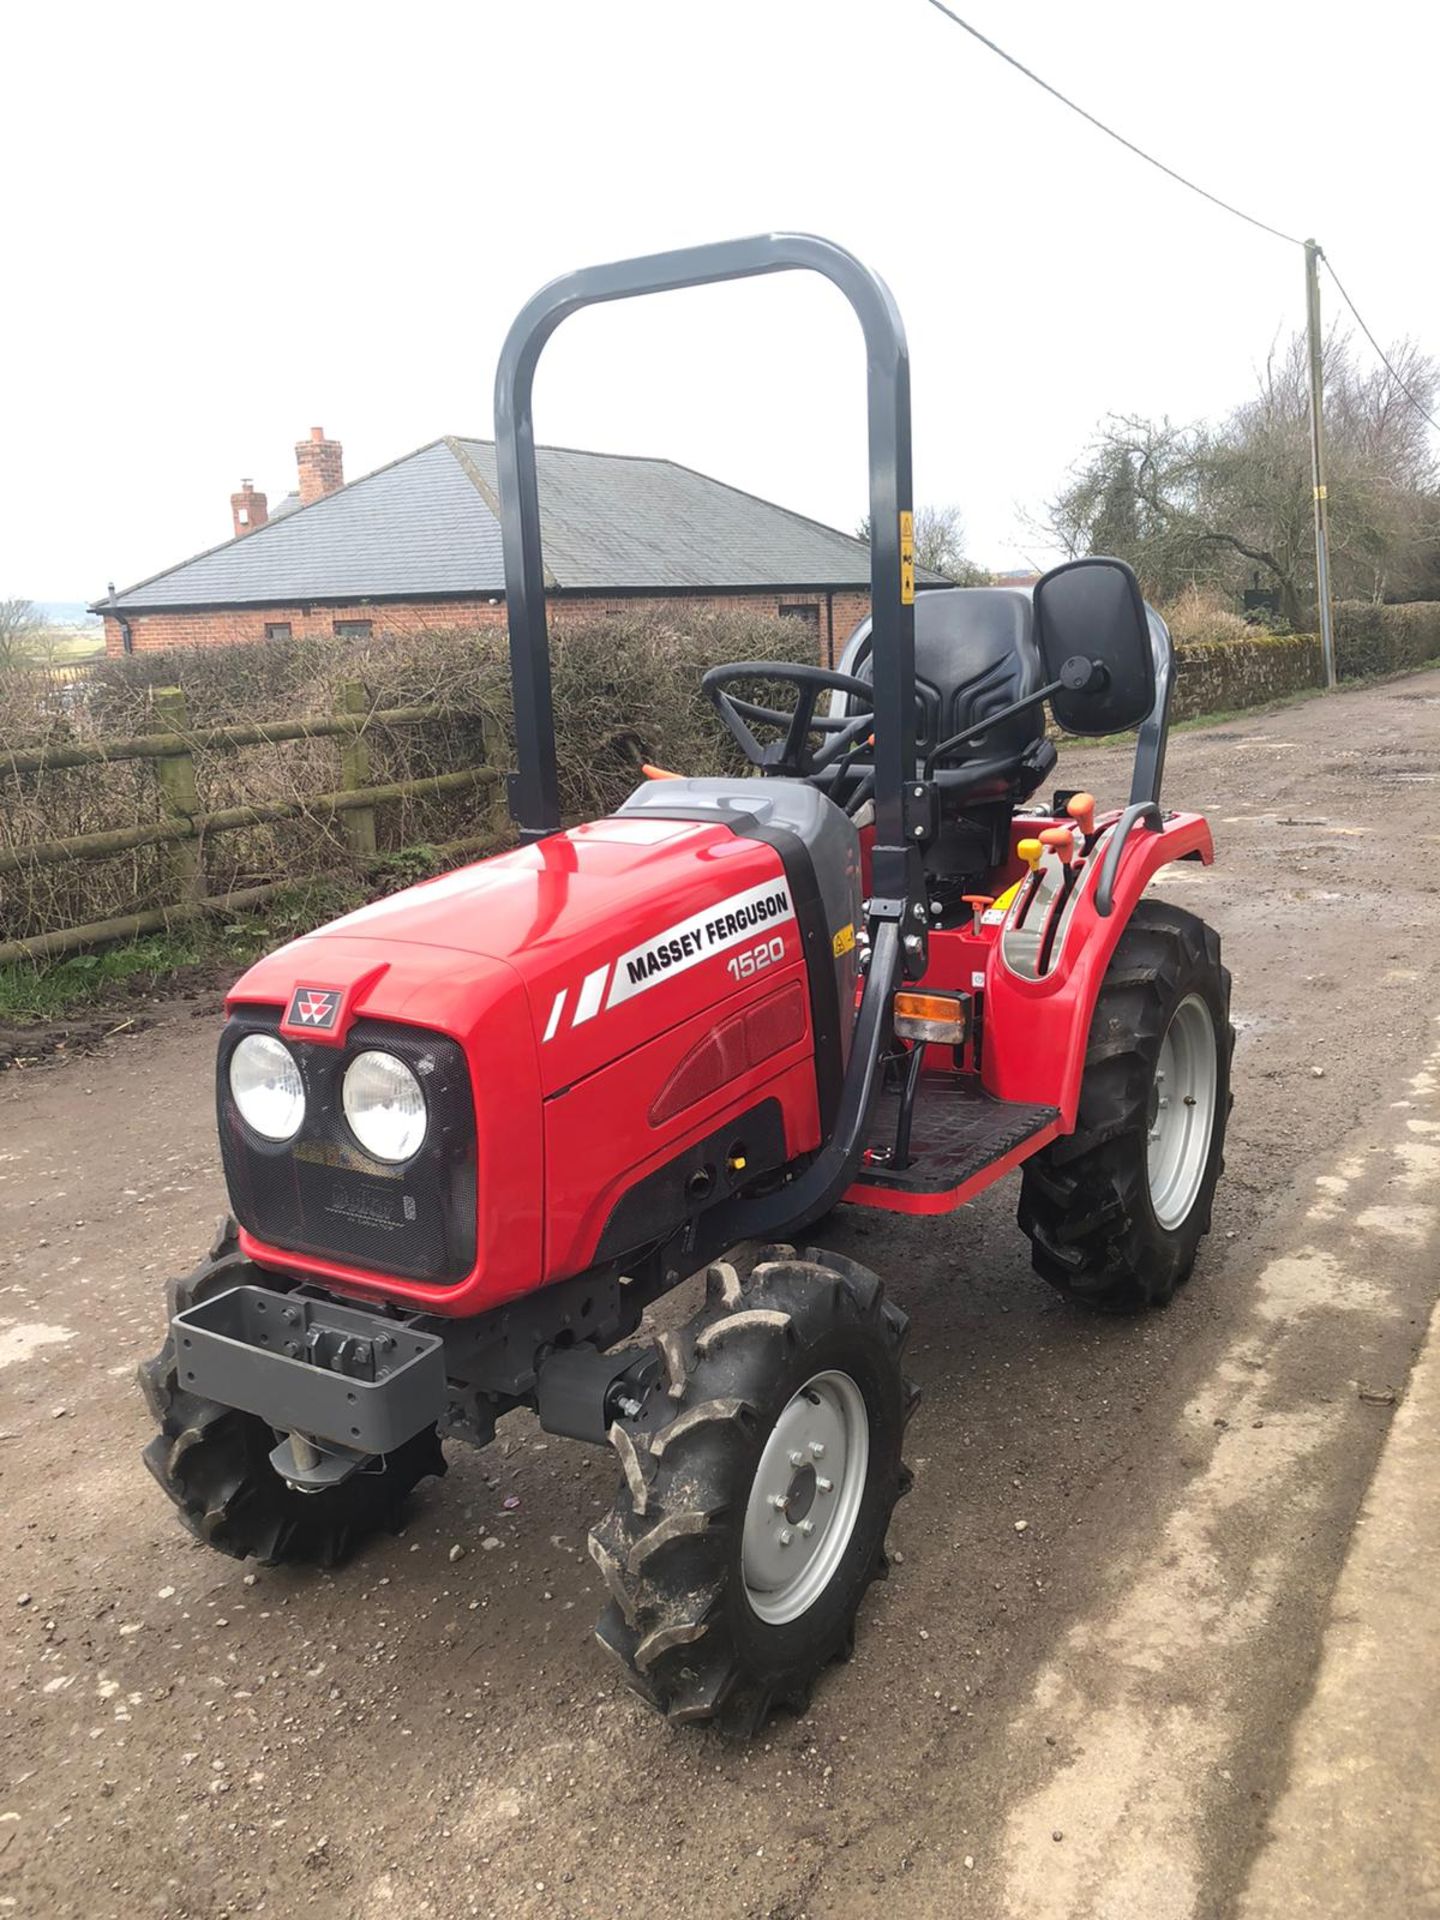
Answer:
(792, 756)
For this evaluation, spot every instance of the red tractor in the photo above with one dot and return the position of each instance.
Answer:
(472, 1131)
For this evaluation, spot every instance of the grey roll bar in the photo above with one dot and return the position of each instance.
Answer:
(535, 801)
(1155, 727)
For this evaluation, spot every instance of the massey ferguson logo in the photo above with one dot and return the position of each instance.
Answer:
(758, 910)
(315, 1007)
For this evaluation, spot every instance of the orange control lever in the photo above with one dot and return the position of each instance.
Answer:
(1081, 810)
(1061, 842)
(977, 903)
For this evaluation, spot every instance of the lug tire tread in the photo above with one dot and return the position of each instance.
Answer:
(666, 1549)
(1084, 1202)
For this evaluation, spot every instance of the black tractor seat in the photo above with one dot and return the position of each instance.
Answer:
(975, 653)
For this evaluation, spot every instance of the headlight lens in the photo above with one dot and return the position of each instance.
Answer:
(385, 1106)
(266, 1085)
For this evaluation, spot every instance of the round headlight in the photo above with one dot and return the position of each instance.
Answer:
(267, 1087)
(385, 1106)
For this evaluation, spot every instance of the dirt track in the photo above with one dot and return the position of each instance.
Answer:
(1086, 1717)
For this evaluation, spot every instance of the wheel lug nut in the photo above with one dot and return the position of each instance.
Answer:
(822, 1485)
(807, 1527)
(777, 1500)
(817, 1448)
(797, 1459)
(785, 1536)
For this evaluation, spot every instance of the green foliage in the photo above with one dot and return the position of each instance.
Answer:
(1372, 639)
(51, 990)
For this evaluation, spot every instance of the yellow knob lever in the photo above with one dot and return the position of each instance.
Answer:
(1031, 852)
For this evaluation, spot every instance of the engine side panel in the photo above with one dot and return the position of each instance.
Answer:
(632, 1150)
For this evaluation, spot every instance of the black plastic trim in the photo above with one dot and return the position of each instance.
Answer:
(815, 935)
(695, 1178)
(321, 1195)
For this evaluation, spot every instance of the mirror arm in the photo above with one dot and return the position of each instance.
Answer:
(1040, 695)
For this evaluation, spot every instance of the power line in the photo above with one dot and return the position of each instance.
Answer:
(1074, 107)
(1180, 178)
(1385, 358)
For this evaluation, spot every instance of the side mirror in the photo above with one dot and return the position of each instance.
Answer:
(1091, 611)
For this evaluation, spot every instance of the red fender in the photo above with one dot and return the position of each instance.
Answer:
(1036, 1031)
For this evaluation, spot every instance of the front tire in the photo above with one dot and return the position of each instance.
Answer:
(730, 1594)
(213, 1461)
(1115, 1212)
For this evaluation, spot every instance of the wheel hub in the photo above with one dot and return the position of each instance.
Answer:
(1182, 1112)
(806, 1497)
(801, 1496)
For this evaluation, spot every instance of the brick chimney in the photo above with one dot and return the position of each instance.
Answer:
(248, 509)
(319, 461)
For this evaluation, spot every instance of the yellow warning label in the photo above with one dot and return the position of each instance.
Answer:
(907, 559)
(843, 942)
(1003, 905)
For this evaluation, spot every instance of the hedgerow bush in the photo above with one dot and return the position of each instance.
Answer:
(1385, 639)
(627, 690)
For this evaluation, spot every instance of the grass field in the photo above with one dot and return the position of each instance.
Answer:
(72, 646)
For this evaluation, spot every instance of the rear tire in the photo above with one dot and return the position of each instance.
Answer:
(1116, 1211)
(713, 1616)
(213, 1461)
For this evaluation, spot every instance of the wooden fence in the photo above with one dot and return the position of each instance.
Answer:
(184, 828)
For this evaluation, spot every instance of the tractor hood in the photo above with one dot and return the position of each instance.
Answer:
(556, 920)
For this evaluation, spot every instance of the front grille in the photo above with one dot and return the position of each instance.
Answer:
(322, 1194)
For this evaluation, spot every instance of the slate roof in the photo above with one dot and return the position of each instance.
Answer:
(426, 526)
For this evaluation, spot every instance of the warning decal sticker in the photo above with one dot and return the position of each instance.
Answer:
(907, 559)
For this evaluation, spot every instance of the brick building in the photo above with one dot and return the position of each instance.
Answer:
(417, 544)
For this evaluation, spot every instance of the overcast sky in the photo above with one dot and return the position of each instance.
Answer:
(225, 225)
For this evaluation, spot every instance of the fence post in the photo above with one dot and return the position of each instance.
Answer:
(355, 773)
(175, 774)
(497, 813)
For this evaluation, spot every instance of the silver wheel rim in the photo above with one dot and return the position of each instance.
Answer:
(1182, 1112)
(806, 1498)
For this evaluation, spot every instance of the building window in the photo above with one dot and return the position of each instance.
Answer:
(277, 629)
(354, 629)
(800, 610)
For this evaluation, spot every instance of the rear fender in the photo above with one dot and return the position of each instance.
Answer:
(1037, 1031)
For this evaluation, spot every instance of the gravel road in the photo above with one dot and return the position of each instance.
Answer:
(1086, 1717)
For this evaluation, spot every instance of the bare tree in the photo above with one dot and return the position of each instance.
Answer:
(1222, 503)
(939, 544)
(22, 628)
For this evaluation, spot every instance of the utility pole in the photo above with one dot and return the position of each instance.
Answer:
(1313, 257)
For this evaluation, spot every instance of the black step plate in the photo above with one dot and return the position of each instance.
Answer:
(958, 1132)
